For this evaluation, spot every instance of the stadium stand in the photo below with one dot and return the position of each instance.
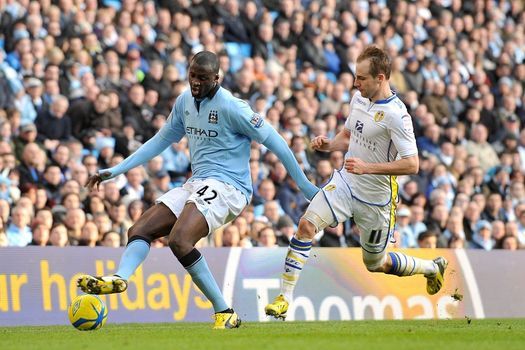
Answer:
(84, 83)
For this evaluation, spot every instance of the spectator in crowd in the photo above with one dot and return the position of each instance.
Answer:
(267, 238)
(135, 210)
(291, 199)
(61, 157)
(18, 232)
(510, 243)
(482, 238)
(427, 239)
(243, 226)
(58, 236)
(230, 236)
(417, 217)
(266, 192)
(110, 239)
(285, 230)
(480, 148)
(89, 235)
(456, 243)
(52, 182)
(95, 116)
(74, 221)
(103, 222)
(134, 188)
(333, 237)
(408, 238)
(54, 125)
(44, 216)
(40, 235)
(324, 171)
(271, 212)
(493, 208)
(137, 112)
(120, 222)
(498, 232)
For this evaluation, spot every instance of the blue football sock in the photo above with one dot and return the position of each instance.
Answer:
(199, 271)
(135, 253)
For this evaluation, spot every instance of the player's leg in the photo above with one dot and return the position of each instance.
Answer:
(376, 225)
(324, 209)
(156, 222)
(211, 205)
(296, 257)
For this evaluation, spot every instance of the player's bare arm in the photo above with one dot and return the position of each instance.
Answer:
(96, 179)
(403, 166)
(339, 143)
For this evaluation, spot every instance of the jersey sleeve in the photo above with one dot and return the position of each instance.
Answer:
(173, 131)
(246, 122)
(402, 134)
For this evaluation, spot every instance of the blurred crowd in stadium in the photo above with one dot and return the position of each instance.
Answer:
(83, 83)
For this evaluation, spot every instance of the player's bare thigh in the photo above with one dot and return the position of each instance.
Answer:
(154, 223)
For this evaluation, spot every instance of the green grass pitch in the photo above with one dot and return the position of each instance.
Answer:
(491, 334)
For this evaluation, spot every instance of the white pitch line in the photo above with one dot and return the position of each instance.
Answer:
(468, 273)
(230, 274)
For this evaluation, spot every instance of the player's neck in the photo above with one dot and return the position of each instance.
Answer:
(383, 93)
(211, 93)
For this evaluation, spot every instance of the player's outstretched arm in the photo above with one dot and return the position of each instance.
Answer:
(275, 143)
(147, 151)
(339, 143)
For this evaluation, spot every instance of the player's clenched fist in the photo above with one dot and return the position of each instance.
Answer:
(355, 166)
(321, 143)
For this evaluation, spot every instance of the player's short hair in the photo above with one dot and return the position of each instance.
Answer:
(380, 62)
(207, 58)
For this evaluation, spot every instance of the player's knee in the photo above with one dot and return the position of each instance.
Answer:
(140, 231)
(374, 265)
(311, 223)
(175, 245)
(134, 230)
(179, 244)
(306, 230)
(374, 268)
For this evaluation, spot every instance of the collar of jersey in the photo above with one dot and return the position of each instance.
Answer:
(386, 100)
(210, 94)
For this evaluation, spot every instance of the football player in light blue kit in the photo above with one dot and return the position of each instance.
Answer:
(219, 128)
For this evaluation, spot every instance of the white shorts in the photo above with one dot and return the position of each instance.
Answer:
(218, 201)
(335, 204)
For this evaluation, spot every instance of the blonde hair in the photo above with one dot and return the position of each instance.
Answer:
(380, 62)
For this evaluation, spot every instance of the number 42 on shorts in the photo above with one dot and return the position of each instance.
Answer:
(211, 195)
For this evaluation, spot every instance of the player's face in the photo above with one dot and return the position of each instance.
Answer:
(202, 79)
(367, 85)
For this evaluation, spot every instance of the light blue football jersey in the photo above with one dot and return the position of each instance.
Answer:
(219, 136)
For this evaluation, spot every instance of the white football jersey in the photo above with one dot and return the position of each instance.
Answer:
(381, 132)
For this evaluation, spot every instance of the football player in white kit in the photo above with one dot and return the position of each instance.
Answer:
(379, 139)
